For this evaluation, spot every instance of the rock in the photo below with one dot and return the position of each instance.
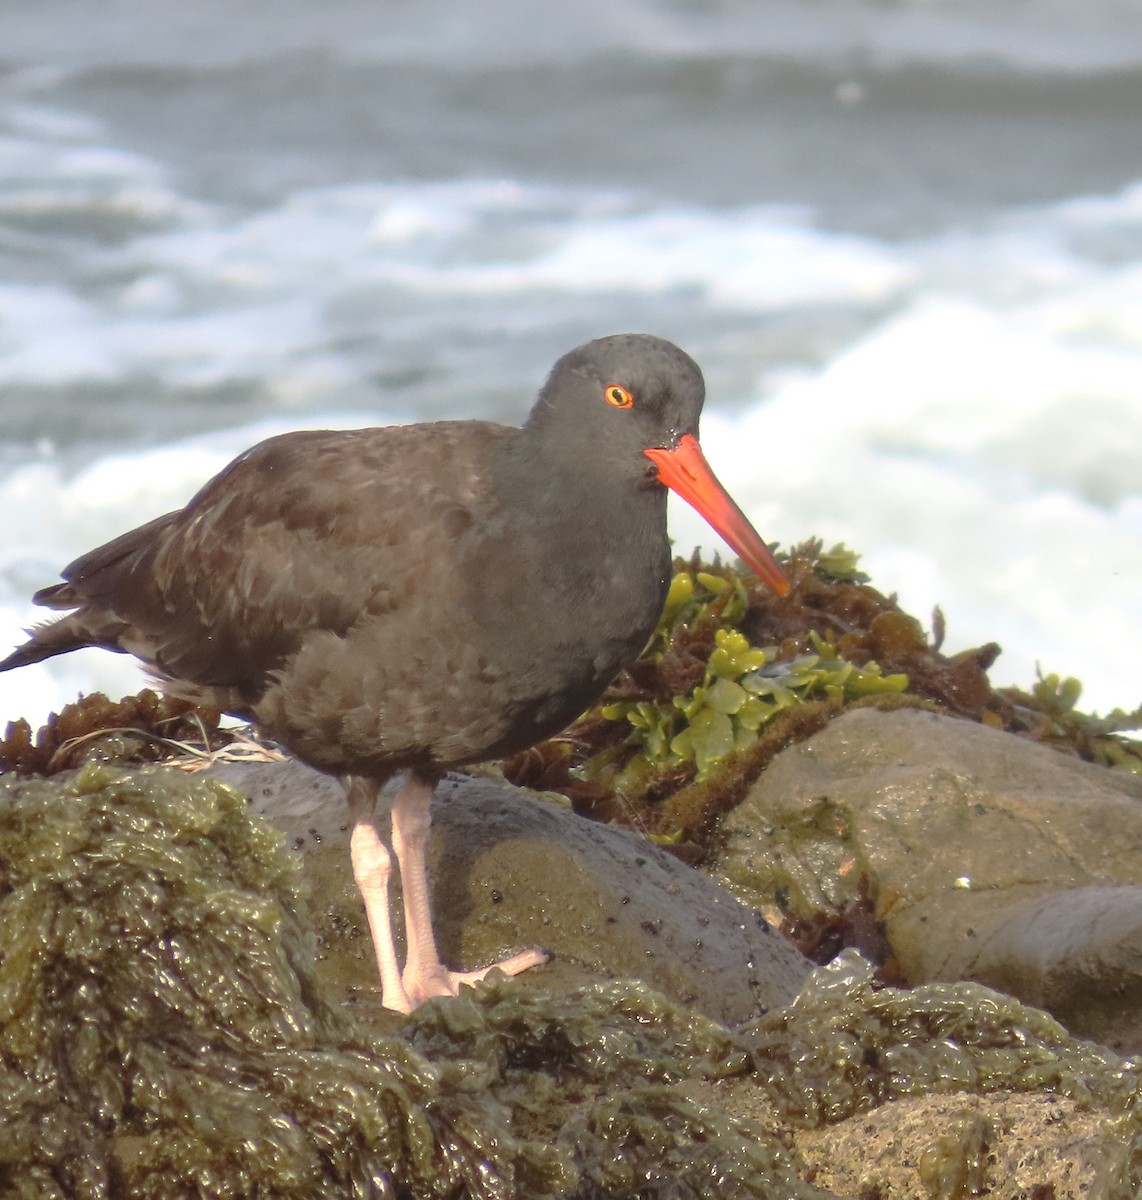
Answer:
(993, 858)
(941, 1091)
(160, 1015)
(954, 1144)
(1076, 953)
(510, 870)
(1030, 1144)
(163, 1033)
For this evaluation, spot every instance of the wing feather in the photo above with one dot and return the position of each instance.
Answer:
(305, 531)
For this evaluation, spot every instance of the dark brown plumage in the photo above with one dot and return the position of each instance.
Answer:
(416, 597)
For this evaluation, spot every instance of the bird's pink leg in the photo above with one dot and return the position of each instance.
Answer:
(372, 866)
(424, 974)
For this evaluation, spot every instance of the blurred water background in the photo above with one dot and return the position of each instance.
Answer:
(903, 239)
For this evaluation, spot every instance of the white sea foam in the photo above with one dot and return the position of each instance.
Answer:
(982, 464)
(975, 428)
(269, 297)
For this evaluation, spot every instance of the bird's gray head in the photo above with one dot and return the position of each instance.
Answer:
(621, 394)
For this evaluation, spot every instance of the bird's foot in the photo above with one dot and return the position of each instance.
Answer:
(435, 979)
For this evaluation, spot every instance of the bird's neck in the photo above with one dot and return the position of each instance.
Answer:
(590, 566)
(580, 501)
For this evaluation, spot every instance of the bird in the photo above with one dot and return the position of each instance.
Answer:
(397, 602)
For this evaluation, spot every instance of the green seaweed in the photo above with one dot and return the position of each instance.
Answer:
(848, 1044)
(811, 862)
(841, 563)
(1051, 710)
(644, 1037)
(732, 673)
(618, 1052)
(654, 1141)
(743, 687)
(161, 1032)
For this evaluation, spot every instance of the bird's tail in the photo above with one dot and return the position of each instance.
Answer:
(87, 584)
(72, 632)
(23, 656)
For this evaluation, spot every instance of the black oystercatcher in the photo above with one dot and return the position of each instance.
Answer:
(417, 597)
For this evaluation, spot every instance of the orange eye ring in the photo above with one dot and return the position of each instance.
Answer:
(617, 396)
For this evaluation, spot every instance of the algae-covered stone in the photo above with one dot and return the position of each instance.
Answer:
(159, 1026)
(956, 1145)
(621, 1054)
(163, 1034)
(848, 1049)
(848, 1044)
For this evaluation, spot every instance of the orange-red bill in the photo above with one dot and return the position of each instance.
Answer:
(684, 470)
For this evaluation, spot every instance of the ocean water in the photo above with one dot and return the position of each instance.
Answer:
(904, 241)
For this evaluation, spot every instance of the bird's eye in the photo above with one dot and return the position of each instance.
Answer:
(617, 396)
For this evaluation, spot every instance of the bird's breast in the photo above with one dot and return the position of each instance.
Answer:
(561, 625)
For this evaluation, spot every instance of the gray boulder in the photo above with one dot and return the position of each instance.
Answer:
(510, 869)
(992, 858)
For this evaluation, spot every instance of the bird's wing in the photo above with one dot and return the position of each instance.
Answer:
(305, 531)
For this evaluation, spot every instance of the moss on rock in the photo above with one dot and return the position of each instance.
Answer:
(162, 1034)
(848, 1044)
(160, 1028)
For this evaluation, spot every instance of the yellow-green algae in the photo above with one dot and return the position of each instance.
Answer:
(743, 687)
(733, 671)
(596, 1075)
(163, 1034)
(160, 1033)
(1051, 709)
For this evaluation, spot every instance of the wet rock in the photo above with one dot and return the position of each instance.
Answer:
(163, 1033)
(992, 858)
(940, 1092)
(959, 1145)
(510, 870)
(1076, 953)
